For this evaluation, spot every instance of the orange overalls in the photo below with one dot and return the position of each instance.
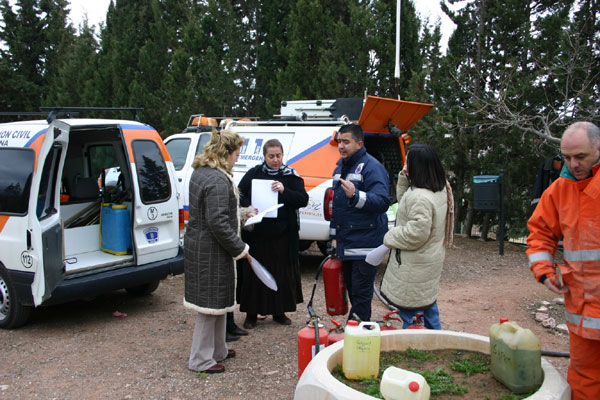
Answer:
(571, 209)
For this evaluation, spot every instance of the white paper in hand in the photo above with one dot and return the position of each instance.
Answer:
(258, 217)
(376, 256)
(263, 197)
(262, 274)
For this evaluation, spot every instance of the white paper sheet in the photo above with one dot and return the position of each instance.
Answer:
(263, 197)
(262, 274)
(376, 256)
(258, 217)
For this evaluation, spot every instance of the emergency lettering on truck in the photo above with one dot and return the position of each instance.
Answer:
(66, 231)
(307, 130)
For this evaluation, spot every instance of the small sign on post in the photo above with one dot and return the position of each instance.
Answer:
(488, 195)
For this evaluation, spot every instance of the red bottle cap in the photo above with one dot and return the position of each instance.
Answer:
(414, 386)
(503, 320)
(353, 323)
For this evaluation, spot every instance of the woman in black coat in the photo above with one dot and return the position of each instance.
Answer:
(274, 242)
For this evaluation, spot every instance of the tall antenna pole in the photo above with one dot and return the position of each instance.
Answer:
(397, 69)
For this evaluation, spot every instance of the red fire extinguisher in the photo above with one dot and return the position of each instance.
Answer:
(310, 341)
(418, 322)
(387, 321)
(335, 287)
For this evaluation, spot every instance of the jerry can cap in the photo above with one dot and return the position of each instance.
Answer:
(414, 386)
(352, 323)
(503, 320)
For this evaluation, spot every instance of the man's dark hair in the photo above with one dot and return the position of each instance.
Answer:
(357, 132)
(425, 169)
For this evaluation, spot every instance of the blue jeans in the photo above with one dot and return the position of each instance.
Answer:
(359, 277)
(431, 317)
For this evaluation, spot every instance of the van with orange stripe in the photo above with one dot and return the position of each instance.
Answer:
(307, 130)
(66, 232)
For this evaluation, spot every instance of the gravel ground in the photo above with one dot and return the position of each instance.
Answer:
(81, 351)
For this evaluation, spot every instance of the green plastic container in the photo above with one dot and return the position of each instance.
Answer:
(516, 356)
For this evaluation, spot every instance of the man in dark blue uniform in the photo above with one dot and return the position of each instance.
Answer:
(359, 222)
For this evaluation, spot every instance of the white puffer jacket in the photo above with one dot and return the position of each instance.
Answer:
(412, 278)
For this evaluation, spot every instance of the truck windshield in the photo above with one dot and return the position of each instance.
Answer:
(16, 171)
(178, 150)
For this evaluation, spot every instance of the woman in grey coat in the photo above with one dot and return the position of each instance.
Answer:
(212, 246)
(423, 230)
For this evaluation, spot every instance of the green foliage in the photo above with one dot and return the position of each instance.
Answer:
(514, 75)
(470, 365)
(441, 382)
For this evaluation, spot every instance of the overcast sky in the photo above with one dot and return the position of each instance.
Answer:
(96, 12)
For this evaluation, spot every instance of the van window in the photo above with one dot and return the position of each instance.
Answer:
(47, 192)
(15, 183)
(152, 171)
(178, 149)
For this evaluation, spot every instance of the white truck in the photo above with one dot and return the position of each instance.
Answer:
(307, 130)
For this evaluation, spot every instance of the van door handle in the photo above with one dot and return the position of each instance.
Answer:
(28, 239)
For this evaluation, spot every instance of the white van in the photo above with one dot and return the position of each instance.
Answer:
(307, 130)
(64, 232)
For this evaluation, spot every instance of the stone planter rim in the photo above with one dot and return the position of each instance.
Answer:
(317, 382)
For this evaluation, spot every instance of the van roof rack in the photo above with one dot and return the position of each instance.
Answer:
(54, 111)
(68, 114)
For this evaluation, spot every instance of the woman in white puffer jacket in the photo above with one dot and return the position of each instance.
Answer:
(423, 230)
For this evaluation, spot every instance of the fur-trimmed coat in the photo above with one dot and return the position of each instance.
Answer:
(412, 277)
(212, 242)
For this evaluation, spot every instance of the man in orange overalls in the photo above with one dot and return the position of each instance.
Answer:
(570, 208)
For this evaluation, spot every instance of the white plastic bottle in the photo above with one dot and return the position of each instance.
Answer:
(400, 384)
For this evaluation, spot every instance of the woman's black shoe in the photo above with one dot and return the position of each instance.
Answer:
(282, 319)
(250, 321)
(237, 331)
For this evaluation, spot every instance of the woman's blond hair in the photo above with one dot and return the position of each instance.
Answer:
(216, 152)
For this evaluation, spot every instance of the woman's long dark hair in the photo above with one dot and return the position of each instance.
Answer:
(425, 169)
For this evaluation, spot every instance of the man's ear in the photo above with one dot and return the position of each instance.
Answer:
(360, 144)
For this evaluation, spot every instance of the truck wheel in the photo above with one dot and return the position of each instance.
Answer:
(12, 313)
(305, 245)
(323, 247)
(143, 290)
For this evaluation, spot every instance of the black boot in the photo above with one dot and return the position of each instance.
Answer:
(232, 328)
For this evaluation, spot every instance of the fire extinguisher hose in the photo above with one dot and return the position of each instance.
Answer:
(315, 323)
(311, 311)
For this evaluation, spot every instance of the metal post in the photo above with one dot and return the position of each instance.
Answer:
(501, 218)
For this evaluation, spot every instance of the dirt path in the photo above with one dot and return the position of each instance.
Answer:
(80, 350)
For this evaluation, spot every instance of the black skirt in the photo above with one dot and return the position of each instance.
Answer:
(273, 252)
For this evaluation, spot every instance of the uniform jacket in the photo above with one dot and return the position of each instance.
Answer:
(358, 224)
(412, 277)
(212, 242)
(571, 209)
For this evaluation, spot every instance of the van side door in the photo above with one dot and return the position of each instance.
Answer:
(156, 208)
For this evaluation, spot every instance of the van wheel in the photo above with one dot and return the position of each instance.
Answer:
(13, 314)
(143, 290)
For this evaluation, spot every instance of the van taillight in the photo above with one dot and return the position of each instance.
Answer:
(181, 219)
(328, 204)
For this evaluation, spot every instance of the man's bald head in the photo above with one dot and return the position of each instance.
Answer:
(580, 146)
